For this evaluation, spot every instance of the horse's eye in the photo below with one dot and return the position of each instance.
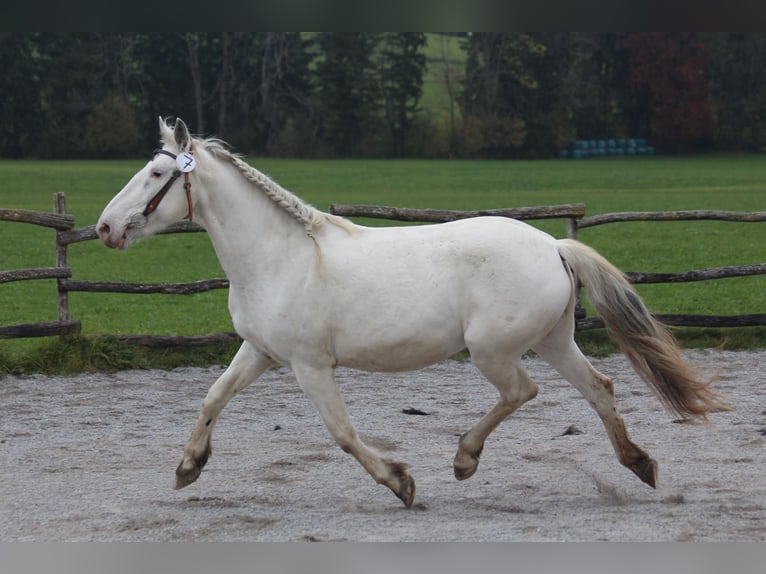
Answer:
(157, 173)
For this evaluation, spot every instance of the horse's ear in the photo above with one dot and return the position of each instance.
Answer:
(181, 135)
(166, 132)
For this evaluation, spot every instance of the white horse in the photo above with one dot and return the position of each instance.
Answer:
(312, 291)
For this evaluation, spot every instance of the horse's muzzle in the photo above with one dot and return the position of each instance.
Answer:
(114, 239)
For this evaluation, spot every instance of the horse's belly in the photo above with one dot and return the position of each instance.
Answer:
(397, 337)
(404, 354)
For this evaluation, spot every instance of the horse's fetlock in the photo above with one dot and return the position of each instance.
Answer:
(467, 446)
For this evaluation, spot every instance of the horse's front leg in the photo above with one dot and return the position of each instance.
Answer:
(248, 364)
(320, 386)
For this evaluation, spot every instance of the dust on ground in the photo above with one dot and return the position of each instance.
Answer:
(92, 457)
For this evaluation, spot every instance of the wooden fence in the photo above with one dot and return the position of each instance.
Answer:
(67, 234)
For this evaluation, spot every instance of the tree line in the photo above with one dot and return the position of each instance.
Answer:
(344, 94)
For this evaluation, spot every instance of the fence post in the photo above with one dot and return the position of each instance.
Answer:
(572, 227)
(62, 299)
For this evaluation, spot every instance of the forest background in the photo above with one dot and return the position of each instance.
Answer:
(391, 94)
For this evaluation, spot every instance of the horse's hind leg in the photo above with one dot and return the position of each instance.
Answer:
(320, 386)
(560, 350)
(246, 366)
(505, 372)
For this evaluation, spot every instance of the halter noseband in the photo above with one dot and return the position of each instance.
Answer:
(155, 201)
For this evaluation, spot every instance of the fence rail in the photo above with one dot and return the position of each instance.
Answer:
(697, 274)
(694, 215)
(66, 234)
(31, 274)
(146, 288)
(54, 220)
(45, 329)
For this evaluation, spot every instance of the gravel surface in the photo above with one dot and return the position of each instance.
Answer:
(92, 457)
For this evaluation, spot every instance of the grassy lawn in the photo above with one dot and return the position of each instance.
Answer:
(609, 185)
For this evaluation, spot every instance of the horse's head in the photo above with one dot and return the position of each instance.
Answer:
(154, 197)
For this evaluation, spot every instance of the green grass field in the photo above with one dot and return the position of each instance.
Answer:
(609, 185)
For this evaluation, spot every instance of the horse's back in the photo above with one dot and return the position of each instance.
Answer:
(464, 254)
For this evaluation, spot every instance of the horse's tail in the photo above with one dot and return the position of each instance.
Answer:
(651, 348)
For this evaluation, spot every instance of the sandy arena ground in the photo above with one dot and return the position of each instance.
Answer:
(92, 457)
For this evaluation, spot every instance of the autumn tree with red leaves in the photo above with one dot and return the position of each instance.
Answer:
(668, 72)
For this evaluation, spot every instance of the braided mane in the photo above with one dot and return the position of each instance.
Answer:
(302, 212)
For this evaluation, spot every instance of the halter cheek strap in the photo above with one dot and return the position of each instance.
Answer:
(154, 202)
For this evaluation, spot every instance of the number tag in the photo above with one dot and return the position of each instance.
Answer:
(185, 162)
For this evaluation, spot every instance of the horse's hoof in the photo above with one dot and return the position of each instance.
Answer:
(646, 470)
(188, 473)
(466, 472)
(465, 464)
(185, 476)
(649, 473)
(406, 491)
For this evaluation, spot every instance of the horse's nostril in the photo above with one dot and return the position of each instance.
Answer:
(104, 230)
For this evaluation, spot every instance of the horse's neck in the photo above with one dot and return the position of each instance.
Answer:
(251, 234)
